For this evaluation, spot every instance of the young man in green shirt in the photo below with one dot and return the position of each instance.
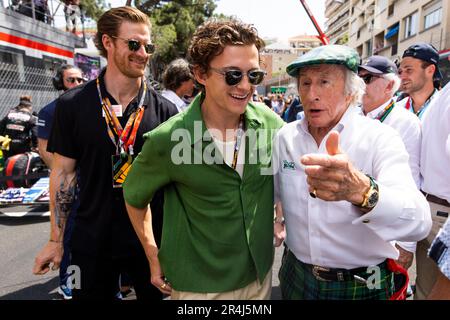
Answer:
(214, 162)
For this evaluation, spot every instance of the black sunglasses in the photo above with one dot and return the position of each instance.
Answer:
(367, 78)
(73, 79)
(234, 76)
(135, 45)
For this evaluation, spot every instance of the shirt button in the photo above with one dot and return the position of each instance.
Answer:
(366, 221)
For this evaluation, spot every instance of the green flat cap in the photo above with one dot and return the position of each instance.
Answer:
(329, 54)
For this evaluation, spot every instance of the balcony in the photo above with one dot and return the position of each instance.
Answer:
(51, 17)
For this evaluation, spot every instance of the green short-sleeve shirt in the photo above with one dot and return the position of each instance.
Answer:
(218, 228)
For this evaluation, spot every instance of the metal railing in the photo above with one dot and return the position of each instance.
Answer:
(17, 80)
(53, 12)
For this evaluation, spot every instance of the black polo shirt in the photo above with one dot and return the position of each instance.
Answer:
(102, 226)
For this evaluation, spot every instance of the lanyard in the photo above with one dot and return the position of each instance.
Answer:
(421, 110)
(126, 136)
(237, 145)
(383, 114)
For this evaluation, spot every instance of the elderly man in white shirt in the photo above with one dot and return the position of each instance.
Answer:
(178, 82)
(435, 170)
(381, 79)
(344, 186)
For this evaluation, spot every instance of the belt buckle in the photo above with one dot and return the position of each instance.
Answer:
(316, 270)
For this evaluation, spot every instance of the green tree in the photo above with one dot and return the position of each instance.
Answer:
(173, 24)
(93, 8)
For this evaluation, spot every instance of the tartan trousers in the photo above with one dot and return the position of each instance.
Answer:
(297, 282)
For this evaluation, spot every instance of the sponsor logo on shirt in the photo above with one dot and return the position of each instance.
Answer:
(16, 127)
(288, 165)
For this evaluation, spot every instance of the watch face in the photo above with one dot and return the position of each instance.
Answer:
(373, 199)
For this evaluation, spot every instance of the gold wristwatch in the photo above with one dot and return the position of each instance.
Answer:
(371, 196)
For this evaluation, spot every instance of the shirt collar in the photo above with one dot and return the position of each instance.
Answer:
(427, 102)
(172, 96)
(374, 113)
(133, 104)
(193, 118)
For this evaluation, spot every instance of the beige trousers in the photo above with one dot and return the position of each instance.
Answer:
(427, 270)
(253, 291)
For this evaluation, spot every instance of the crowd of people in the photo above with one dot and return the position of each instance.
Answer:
(41, 8)
(186, 193)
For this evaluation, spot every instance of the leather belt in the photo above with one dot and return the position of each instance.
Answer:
(334, 274)
(437, 200)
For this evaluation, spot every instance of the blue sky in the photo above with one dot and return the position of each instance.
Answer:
(273, 18)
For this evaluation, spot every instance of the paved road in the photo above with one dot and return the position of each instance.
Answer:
(20, 240)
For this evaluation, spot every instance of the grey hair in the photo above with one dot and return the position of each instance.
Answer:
(177, 72)
(393, 77)
(354, 86)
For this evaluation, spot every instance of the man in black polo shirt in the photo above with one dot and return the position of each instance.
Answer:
(98, 129)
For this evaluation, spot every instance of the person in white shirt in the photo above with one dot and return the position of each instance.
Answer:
(178, 82)
(380, 76)
(344, 187)
(420, 77)
(435, 171)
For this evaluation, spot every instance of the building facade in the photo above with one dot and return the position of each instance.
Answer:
(337, 14)
(303, 43)
(388, 27)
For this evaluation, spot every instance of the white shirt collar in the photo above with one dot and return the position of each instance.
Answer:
(374, 113)
(173, 97)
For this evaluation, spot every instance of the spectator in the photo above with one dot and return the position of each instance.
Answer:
(88, 142)
(20, 126)
(178, 83)
(218, 241)
(343, 184)
(435, 171)
(418, 72)
(72, 14)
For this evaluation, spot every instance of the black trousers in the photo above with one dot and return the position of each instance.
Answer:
(99, 277)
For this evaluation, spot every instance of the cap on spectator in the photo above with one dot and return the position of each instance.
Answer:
(379, 65)
(426, 52)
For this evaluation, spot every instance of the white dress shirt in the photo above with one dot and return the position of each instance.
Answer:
(408, 125)
(175, 99)
(404, 102)
(435, 154)
(337, 234)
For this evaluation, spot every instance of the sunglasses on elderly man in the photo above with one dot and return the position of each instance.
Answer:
(135, 45)
(234, 76)
(367, 78)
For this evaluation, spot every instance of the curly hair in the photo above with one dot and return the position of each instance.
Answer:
(109, 24)
(210, 39)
